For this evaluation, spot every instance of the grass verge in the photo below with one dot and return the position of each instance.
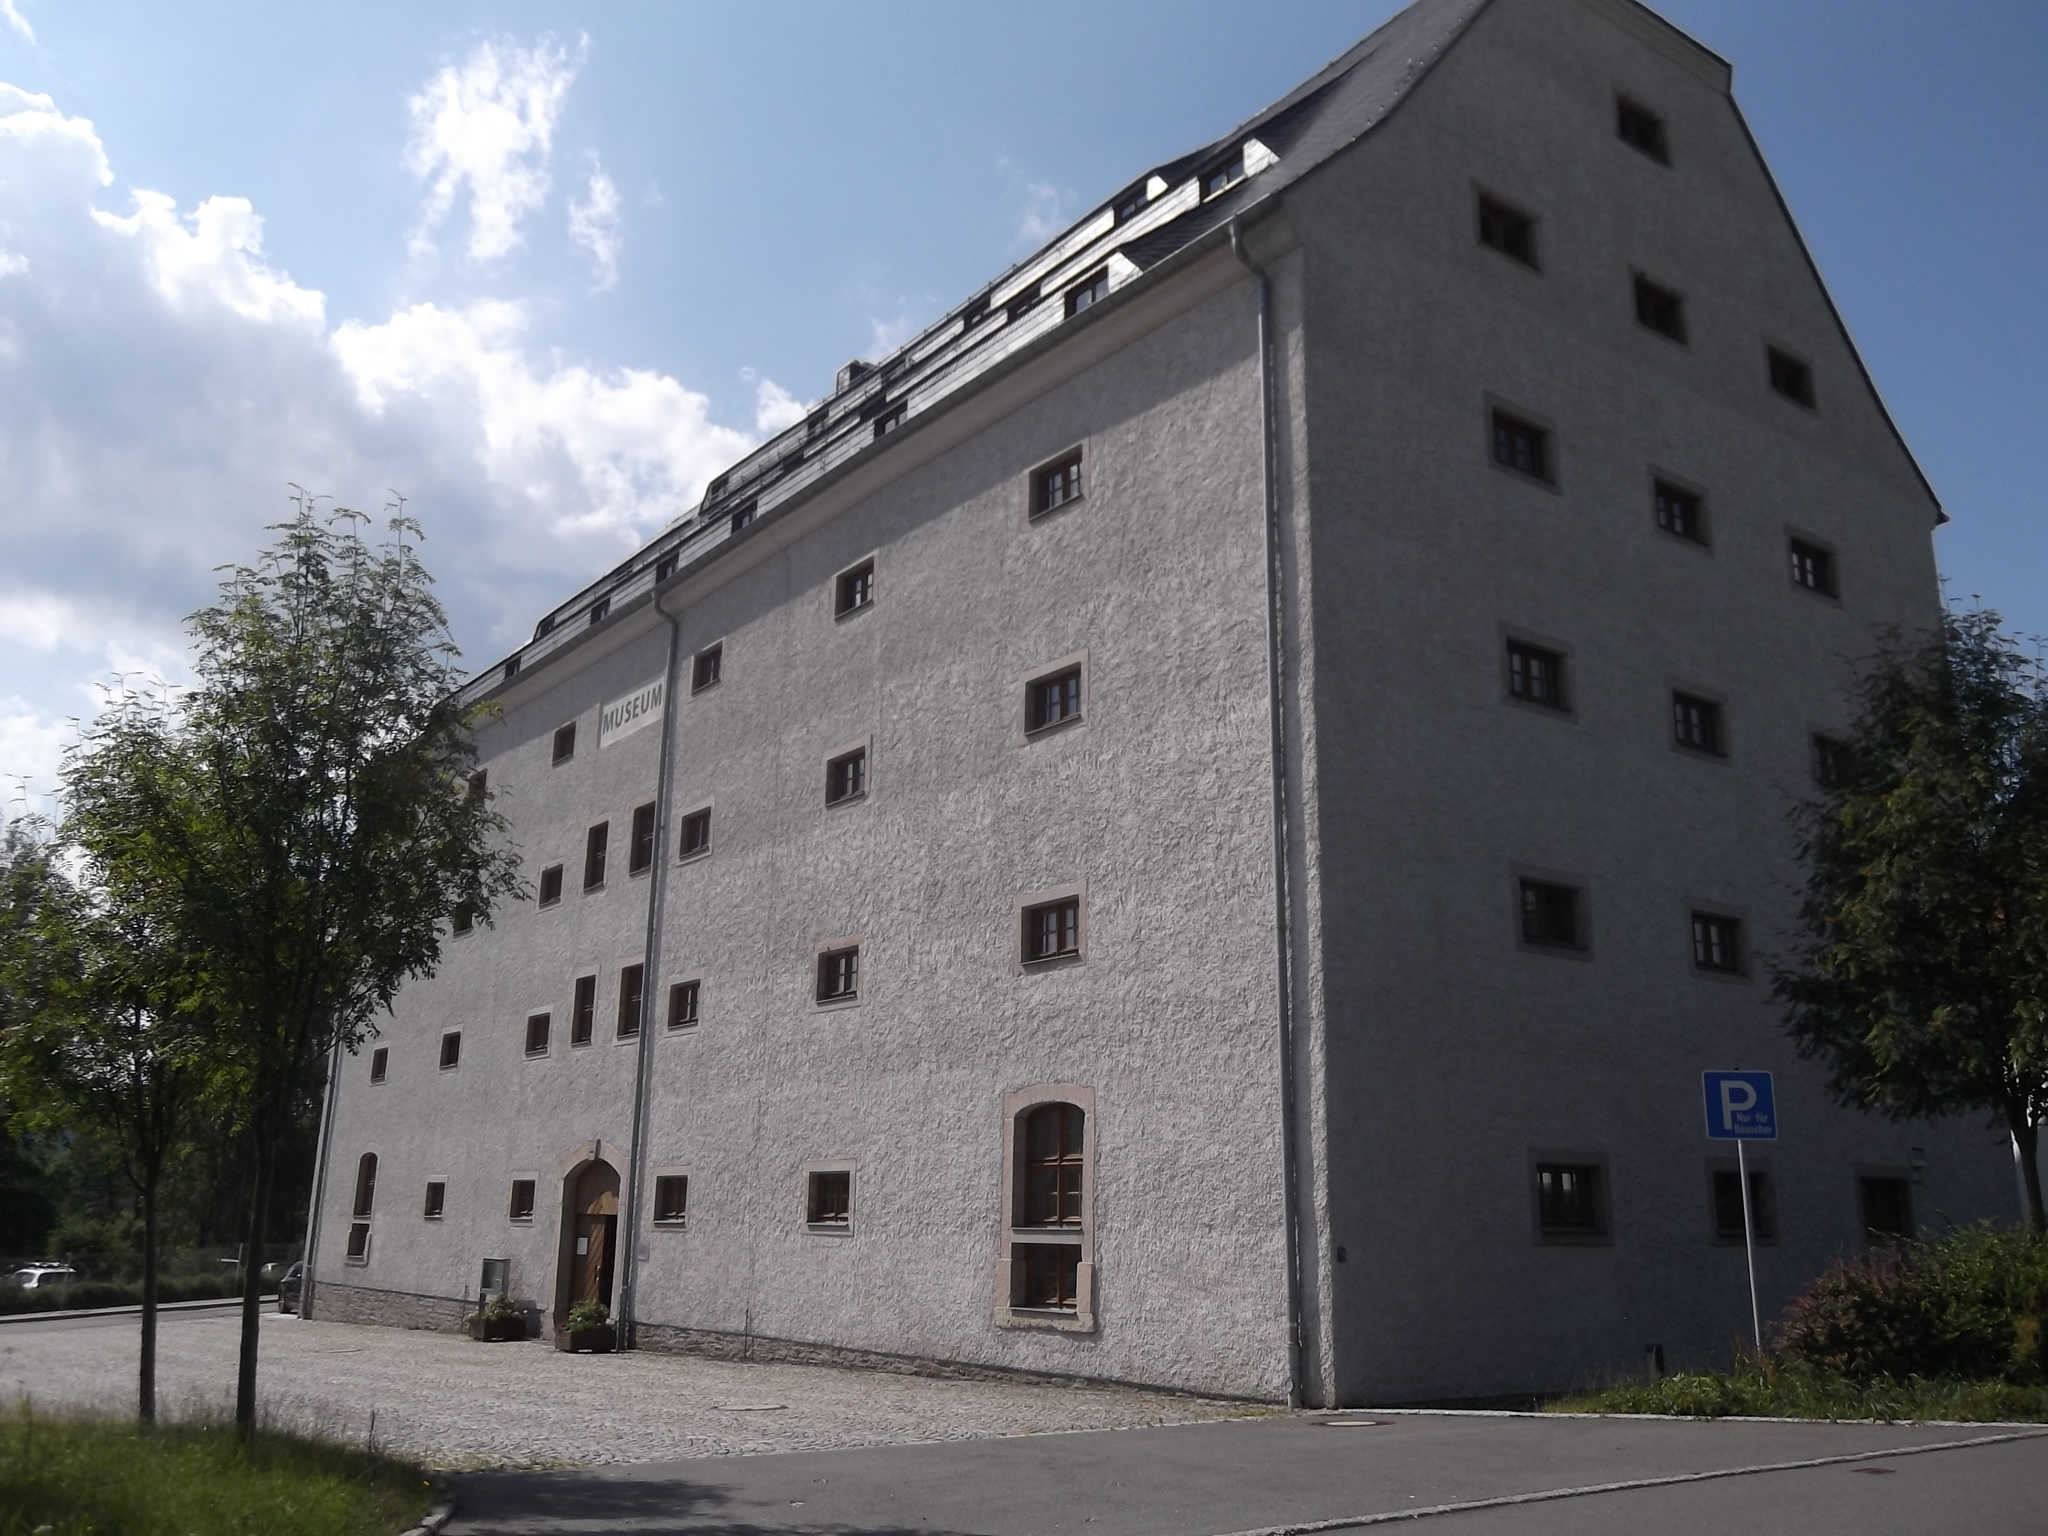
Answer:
(1774, 1390)
(99, 1477)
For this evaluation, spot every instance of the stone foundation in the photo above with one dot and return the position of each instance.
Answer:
(334, 1302)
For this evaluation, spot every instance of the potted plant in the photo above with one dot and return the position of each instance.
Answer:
(497, 1321)
(587, 1329)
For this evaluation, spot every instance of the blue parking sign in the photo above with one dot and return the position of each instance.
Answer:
(1740, 1106)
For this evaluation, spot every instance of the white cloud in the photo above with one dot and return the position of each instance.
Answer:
(11, 13)
(1043, 215)
(594, 224)
(13, 265)
(487, 126)
(161, 383)
(774, 407)
(886, 335)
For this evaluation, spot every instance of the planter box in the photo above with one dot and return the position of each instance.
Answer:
(592, 1341)
(497, 1330)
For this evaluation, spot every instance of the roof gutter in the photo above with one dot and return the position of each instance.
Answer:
(1283, 815)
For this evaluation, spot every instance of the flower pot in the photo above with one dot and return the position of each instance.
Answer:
(497, 1330)
(592, 1341)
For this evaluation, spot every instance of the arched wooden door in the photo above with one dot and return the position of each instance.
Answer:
(592, 1215)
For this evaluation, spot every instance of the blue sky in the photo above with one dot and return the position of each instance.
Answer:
(546, 269)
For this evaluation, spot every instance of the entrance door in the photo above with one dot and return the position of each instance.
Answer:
(593, 1232)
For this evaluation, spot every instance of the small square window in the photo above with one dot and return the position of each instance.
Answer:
(565, 743)
(1507, 230)
(1790, 377)
(1087, 293)
(839, 975)
(1763, 1206)
(664, 568)
(846, 776)
(463, 918)
(583, 1014)
(1659, 309)
(1048, 1276)
(889, 420)
(380, 1061)
(451, 1049)
(598, 610)
(594, 843)
(1551, 915)
(1679, 512)
(1570, 1201)
(1830, 762)
(551, 885)
(1696, 724)
(1053, 931)
(671, 1199)
(1642, 129)
(707, 667)
(545, 627)
(1887, 1205)
(538, 1027)
(1813, 567)
(696, 838)
(1521, 446)
(511, 668)
(640, 857)
(738, 521)
(1220, 178)
(682, 1004)
(1053, 700)
(437, 1197)
(828, 1201)
(1717, 943)
(1536, 675)
(359, 1242)
(631, 980)
(521, 1205)
(854, 590)
(1056, 485)
(479, 784)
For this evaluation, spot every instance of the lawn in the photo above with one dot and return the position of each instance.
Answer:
(74, 1476)
(1774, 1390)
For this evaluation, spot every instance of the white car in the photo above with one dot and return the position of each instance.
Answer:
(33, 1276)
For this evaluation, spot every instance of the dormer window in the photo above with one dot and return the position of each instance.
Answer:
(1088, 292)
(1131, 204)
(598, 610)
(741, 518)
(664, 568)
(1222, 177)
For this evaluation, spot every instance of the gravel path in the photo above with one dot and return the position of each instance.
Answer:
(452, 1402)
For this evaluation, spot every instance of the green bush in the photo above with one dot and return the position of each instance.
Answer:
(1969, 1306)
(82, 1294)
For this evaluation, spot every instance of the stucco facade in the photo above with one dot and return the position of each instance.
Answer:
(1318, 1061)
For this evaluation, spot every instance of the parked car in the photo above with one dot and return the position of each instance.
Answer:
(288, 1288)
(34, 1276)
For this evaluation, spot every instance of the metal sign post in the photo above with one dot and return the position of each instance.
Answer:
(1742, 1108)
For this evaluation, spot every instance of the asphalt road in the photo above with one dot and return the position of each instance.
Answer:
(1451, 1474)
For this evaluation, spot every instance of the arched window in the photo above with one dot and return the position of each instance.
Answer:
(366, 1197)
(1053, 1136)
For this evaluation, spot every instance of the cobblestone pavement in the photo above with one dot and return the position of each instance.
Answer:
(455, 1403)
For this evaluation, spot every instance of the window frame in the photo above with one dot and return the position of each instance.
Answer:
(691, 822)
(1487, 202)
(1763, 1201)
(1524, 875)
(1716, 705)
(451, 1050)
(707, 667)
(1042, 474)
(1017, 1238)
(547, 884)
(851, 752)
(692, 989)
(1662, 482)
(628, 1021)
(564, 749)
(434, 1202)
(1551, 476)
(1790, 376)
(1084, 293)
(1022, 961)
(380, 1063)
(1650, 136)
(828, 952)
(545, 1019)
(1869, 1173)
(1663, 301)
(1601, 1234)
(527, 1187)
(1708, 912)
(842, 584)
(1827, 761)
(641, 839)
(671, 1174)
(597, 840)
(583, 1011)
(813, 1176)
(1041, 676)
(1514, 639)
(1803, 548)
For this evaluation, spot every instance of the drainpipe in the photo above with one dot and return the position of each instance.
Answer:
(650, 978)
(319, 1178)
(1283, 814)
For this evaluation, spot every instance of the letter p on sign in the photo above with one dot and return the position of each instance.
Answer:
(1740, 1106)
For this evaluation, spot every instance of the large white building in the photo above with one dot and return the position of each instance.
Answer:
(1199, 823)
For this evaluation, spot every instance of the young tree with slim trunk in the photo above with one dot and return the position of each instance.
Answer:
(89, 1036)
(320, 828)
(1923, 978)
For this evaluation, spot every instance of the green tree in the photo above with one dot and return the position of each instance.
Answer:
(307, 813)
(95, 1038)
(1922, 979)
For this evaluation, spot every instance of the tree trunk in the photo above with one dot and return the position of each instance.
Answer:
(252, 1283)
(2026, 1147)
(146, 1386)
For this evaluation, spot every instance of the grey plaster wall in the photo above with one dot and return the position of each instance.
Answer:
(1154, 807)
(1454, 1054)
